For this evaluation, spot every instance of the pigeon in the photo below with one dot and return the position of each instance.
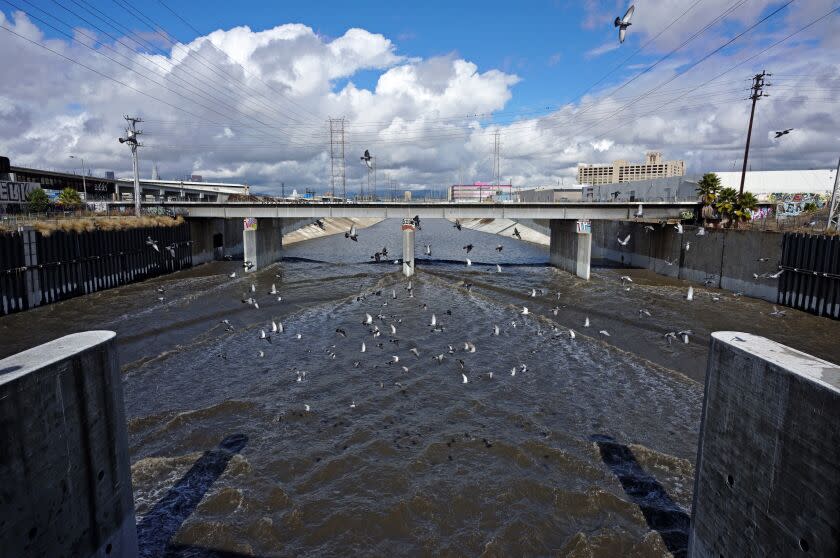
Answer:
(341, 332)
(367, 159)
(351, 234)
(623, 23)
(783, 133)
(625, 241)
(671, 336)
(468, 248)
(516, 233)
(499, 248)
(152, 243)
(457, 224)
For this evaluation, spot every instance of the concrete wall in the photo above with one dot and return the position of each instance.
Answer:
(728, 258)
(768, 476)
(569, 250)
(66, 482)
(308, 230)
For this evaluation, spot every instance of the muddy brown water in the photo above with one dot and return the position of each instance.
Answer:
(589, 451)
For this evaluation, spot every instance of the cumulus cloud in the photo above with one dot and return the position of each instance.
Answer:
(245, 105)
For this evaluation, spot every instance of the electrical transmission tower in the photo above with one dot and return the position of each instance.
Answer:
(757, 91)
(834, 206)
(338, 176)
(131, 133)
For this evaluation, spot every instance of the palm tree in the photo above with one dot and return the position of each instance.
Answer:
(745, 205)
(69, 198)
(708, 188)
(726, 203)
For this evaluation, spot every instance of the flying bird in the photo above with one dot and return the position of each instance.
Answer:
(367, 159)
(623, 23)
(783, 133)
(625, 241)
(457, 224)
(468, 248)
(352, 234)
(171, 250)
(152, 243)
(679, 228)
(516, 233)
(499, 248)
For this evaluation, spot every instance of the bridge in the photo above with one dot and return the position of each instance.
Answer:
(262, 235)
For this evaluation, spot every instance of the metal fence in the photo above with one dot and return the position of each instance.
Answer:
(811, 277)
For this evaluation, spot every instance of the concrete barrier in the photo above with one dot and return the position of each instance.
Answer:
(66, 481)
(570, 251)
(767, 480)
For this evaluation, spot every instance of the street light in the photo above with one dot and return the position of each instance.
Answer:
(84, 183)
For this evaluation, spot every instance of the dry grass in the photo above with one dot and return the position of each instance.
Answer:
(46, 228)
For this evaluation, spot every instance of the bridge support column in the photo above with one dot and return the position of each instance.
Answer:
(766, 481)
(571, 246)
(262, 242)
(408, 247)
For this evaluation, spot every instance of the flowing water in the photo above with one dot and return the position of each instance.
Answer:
(587, 451)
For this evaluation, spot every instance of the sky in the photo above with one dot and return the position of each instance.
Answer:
(244, 92)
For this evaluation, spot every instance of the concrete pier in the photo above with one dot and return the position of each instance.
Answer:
(66, 480)
(768, 465)
(262, 241)
(408, 231)
(571, 246)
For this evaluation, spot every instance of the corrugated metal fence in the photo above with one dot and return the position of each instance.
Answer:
(37, 269)
(811, 277)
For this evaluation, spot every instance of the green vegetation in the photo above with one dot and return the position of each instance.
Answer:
(37, 201)
(734, 207)
(708, 188)
(69, 198)
(746, 204)
(809, 207)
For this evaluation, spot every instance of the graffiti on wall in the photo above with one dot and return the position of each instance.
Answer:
(794, 204)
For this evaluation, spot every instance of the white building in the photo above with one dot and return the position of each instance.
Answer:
(790, 189)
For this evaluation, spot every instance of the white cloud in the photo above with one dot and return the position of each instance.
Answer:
(267, 123)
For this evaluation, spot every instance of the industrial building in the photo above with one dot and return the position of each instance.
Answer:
(480, 191)
(790, 190)
(551, 194)
(621, 171)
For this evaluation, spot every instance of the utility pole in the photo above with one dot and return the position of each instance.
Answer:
(757, 92)
(834, 206)
(131, 133)
(283, 190)
(84, 184)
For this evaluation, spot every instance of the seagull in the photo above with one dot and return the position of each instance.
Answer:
(525, 311)
(428, 249)
(298, 336)
(556, 310)
(394, 294)
(625, 279)
(394, 359)
(684, 334)
(273, 326)
(604, 332)
(586, 322)
(232, 275)
(468, 248)
(495, 330)
(247, 264)
(433, 323)
(306, 408)
(776, 313)
(763, 260)
(776, 275)
(670, 262)
(415, 351)
(572, 333)
(648, 229)
(701, 231)
(625, 241)
(368, 319)
(679, 228)
(262, 354)
(464, 376)
(513, 371)
(469, 261)
(690, 295)
(367, 159)
(783, 133)
(264, 336)
(171, 249)
(364, 349)
(457, 224)
(438, 358)
(533, 293)
(687, 246)
(353, 405)
(273, 290)
(253, 288)
(623, 23)
(671, 336)
(152, 243)
(393, 330)
(498, 268)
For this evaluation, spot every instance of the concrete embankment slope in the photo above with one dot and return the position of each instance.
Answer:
(531, 231)
(332, 225)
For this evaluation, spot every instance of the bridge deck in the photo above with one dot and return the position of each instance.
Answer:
(431, 210)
